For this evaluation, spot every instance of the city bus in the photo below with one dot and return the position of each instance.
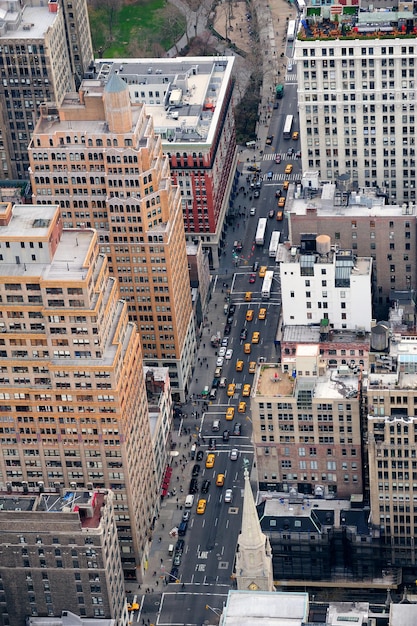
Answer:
(267, 285)
(273, 244)
(288, 126)
(260, 231)
(291, 30)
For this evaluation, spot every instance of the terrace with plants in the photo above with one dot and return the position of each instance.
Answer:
(351, 22)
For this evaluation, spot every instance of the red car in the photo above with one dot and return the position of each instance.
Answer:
(252, 278)
(278, 159)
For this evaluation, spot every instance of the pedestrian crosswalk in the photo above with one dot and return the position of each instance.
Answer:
(284, 156)
(291, 78)
(281, 176)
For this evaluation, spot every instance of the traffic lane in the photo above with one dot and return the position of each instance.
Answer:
(185, 607)
(215, 533)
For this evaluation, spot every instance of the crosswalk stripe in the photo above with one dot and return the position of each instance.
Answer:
(284, 156)
(290, 78)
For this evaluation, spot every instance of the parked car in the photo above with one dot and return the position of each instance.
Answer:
(193, 486)
(227, 329)
(186, 516)
(195, 471)
(222, 351)
(200, 455)
(232, 309)
(225, 341)
(229, 319)
(177, 559)
(179, 546)
(220, 361)
(228, 354)
(174, 573)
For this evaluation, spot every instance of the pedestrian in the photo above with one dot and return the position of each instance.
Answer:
(204, 345)
(163, 525)
(157, 582)
(160, 539)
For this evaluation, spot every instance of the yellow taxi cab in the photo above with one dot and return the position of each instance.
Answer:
(246, 391)
(288, 168)
(231, 390)
(255, 337)
(252, 367)
(230, 413)
(210, 460)
(239, 365)
(262, 314)
(201, 506)
(262, 271)
(295, 135)
(220, 480)
(281, 204)
(280, 214)
(249, 315)
(248, 296)
(241, 407)
(246, 348)
(286, 185)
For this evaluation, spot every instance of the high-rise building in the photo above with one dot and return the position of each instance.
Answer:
(60, 553)
(368, 227)
(306, 428)
(356, 95)
(45, 47)
(73, 401)
(100, 159)
(191, 103)
(391, 446)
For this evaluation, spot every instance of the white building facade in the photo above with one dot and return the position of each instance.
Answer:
(356, 97)
(335, 286)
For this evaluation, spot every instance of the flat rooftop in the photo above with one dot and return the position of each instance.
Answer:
(37, 19)
(29, 222)
(249, 608)
(271, 381)
(87, 503)
(327, 203)
(184, 95)
(311, 334)
(354, 23)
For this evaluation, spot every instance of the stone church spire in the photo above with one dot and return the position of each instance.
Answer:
(254, 554)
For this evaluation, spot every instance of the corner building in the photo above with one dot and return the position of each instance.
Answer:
(73, 406)
(99, 158)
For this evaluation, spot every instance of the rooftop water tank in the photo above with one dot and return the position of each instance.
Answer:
(379, 337)
(323, 244)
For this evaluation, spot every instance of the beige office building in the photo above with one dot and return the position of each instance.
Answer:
(73, 406)
(306, 428)
(392, 457)
(99, 158)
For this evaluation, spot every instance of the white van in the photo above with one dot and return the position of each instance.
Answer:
(216, 426)
(189, 501)
(171, 549)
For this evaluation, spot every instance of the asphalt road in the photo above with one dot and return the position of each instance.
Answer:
(207, 564)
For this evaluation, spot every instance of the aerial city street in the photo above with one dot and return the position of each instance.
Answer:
(208, 321)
